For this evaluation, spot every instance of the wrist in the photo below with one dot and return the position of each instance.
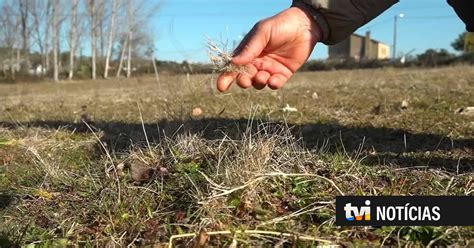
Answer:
(309, 23)
(318, 24)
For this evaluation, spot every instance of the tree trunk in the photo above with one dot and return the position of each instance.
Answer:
(47, 40)
(56, 40)
(12, 64)
(17, 69)
(24, 6)
(100, 12)
(113, 20)
(130, 38)
(73, 38)
(93, 38)
(122, 57)
(157, 75)
(37, 18)
(46, 35)
(47, 62)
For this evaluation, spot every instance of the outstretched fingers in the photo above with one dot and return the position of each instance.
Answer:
(244, 79)
(249, 49)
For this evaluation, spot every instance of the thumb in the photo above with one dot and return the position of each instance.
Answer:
(252, 45)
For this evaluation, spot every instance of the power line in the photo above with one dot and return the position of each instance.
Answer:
(390, 20)
(377, 24)
(190, 14)
(431, 17)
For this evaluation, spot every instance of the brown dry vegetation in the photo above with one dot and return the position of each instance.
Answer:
(242, 165)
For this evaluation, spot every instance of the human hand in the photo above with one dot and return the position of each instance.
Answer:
(273, 51)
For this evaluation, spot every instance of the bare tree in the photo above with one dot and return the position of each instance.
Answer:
(130, 37)
(92, 12)
(73, 38)
(112, 30)
(25, 30)
(56, 11)
(100, 22)
(47, 40)
(40, 12)
(122, 55)
(137, 17)
(29, 26)
(9, 26)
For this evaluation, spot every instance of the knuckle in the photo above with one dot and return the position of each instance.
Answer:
(261, 25)
(265, 24)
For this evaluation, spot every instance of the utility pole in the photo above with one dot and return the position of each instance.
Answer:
(394, 53)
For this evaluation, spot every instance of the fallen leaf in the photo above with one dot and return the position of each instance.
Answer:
(141, 172)
(44, 194)
(282, 208)
(201, 240)
(180, 215)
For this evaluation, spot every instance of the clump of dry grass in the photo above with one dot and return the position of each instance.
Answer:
(260, 188)
(221, 58)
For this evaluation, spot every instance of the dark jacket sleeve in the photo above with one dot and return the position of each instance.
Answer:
(465, 10)
(340, 18)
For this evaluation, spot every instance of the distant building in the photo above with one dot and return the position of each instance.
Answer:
(37, 70)
(359, 47)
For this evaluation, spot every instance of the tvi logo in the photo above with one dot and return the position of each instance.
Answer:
(355, 213)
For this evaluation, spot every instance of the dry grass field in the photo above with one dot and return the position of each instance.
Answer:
(136, 162)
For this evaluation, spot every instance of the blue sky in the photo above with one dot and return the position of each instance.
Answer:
(181, 26)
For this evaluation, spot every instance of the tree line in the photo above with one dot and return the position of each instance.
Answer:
(50, 36)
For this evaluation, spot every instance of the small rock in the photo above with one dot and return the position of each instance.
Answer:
(315, 95)
(197, 111)
(405, 104)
